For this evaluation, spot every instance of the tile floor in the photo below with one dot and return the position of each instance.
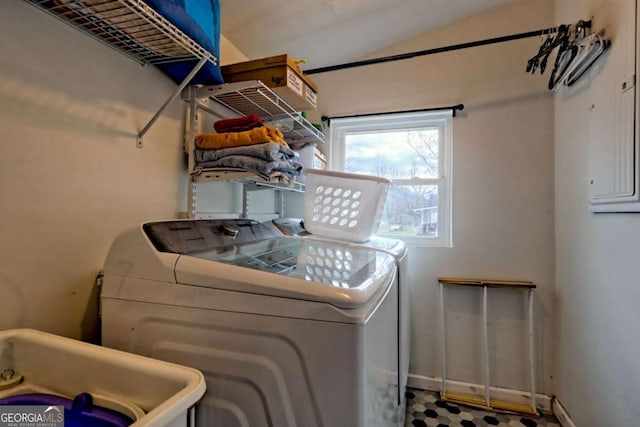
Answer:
(424, 408)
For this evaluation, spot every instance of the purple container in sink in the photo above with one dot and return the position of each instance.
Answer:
(79, 412)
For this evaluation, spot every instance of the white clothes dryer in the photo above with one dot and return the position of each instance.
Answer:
(287, 331)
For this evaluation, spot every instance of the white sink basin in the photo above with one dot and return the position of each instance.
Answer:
(152, 392)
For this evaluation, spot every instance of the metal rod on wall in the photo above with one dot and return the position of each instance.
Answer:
(431, 51)
(458, 107)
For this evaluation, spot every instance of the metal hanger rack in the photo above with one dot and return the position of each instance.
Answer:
(425, 52)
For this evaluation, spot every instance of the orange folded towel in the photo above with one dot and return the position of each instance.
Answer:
(216, 141)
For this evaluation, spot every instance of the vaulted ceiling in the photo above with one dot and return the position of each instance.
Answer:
(328, 32)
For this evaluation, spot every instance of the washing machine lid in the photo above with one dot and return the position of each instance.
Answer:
(292, 268)
(247, 256)
(295, 227)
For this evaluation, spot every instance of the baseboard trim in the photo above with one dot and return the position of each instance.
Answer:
(543, 401)
(561, 414)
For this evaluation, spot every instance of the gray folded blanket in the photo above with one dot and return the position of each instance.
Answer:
(264, 158)
(270, 151)
(255, 164)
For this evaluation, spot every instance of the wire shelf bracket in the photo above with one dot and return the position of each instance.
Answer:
(134, 29)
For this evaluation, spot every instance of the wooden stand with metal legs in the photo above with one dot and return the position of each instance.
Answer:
(485, 402)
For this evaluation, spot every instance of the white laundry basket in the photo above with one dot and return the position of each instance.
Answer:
(344, 206)
(333, 263)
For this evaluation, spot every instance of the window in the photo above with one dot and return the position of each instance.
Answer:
(414, 151)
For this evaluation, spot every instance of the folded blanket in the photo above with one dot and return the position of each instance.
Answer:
(278, 177)
(239, 124)
(270, 151)
(255, 164)
(216, 141)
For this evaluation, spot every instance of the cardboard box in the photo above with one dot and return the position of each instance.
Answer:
(280, 73)
(310, 96)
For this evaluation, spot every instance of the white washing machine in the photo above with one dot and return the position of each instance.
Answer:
(287, 331)
(397, 249)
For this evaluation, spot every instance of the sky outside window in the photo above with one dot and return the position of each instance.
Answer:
(394, 154)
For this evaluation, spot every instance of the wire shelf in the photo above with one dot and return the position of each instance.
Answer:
(253, 180)
(254, 97)
(131, 27)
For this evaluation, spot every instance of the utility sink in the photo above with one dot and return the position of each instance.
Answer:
(150, 392)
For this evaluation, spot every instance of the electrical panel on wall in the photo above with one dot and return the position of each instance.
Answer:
(614, 148)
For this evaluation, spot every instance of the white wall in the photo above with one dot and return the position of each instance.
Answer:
(71, 177)
(598, 321)
(502, 183)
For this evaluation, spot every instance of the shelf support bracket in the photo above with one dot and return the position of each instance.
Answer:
(173, 96)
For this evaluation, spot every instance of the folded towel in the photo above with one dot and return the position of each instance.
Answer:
(216, 141)
(240, 128)
(270, 151)
(238, 124)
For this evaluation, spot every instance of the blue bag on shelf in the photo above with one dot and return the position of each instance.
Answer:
(200, 20)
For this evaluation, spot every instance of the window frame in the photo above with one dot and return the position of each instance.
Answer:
(340, 128)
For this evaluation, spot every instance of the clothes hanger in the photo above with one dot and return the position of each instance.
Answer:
(594, 47)
(566, 54)
(559, 39)
(545, 58)
(578, 50)
(532, 64)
